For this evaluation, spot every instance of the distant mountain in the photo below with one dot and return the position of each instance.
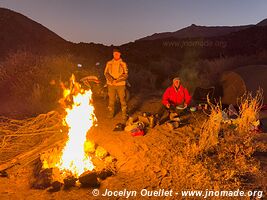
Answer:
(159, 56)
(20, 32)
(244, 42)
(195, 31)
(262, 23)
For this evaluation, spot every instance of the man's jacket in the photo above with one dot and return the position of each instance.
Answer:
(176, 97)
(116, 72)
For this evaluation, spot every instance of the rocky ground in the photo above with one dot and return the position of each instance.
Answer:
(146, 162)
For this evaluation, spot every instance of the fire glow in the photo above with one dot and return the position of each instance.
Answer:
(80, 118)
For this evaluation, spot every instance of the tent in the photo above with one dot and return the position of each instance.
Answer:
(248, 78)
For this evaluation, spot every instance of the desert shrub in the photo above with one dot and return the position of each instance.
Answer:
(212, 68)
(36, 93)
(219, 156)
(26, 79)
(207, 72)
(142, 79)
(249, 108)
(190, 78)
(209, 136)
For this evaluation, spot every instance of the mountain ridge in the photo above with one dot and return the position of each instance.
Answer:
(196, 31)
(21, 32)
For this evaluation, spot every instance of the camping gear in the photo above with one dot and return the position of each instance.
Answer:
(193, 109)
(141, 125)
(135, 125)
(264, 107)
(181, 107)
(146, 114)
(137, 132)
(248, 78)
(144, 118)
(130, 127)
(173, 125)
(151, 121)
(136, 129)
(232, 112)
(86, 80)
(174, 117)
(202, 106)
(200, 94)
(119, 127)
(130, 121)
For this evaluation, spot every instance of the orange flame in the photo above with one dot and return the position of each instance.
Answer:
(80, 118)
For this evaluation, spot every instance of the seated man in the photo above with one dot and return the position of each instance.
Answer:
(175, 96)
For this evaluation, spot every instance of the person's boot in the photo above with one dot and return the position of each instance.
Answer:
(110, 113)
(174, 117)
(124, 115)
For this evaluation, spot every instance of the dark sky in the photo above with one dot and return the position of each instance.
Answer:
(121, 21)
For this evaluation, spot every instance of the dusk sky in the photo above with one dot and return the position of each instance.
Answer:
(121, 21)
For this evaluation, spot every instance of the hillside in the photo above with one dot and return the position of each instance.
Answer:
(196, 31)
(20, 32)
(262, 23)
(247, 41)
(151, 62)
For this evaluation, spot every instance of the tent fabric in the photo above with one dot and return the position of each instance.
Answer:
(248, 78)
(263, 120)
(200, 94)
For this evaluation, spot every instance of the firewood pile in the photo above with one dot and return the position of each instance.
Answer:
(21, 141)
(48, 176)
(39, 141)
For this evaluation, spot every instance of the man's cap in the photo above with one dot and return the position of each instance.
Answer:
(176, 78)
(116, 50)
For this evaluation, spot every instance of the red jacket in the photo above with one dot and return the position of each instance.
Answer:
(176, 97)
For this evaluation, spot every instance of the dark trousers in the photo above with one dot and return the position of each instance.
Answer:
(164, 113)
(121, 92)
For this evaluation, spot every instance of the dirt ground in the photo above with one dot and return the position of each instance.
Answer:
(145, 162)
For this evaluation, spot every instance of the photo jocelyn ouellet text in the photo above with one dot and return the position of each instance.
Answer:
(184, 193)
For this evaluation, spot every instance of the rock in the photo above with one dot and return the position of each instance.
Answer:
(55, 186)
(43, 179)
(89, 179)
(101, 152)
(105, 173)
(110, 159)
(3, 174)
(89, 146)
(69, 182)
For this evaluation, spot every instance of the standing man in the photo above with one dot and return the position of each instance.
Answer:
(116, 73)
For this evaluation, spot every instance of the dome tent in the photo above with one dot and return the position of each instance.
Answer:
(248, 78)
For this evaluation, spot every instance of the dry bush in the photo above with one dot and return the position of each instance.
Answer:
(142, 79)
(218, 156)
(191, 78)
(249, 108)
(25, 81)
(207, 72)
(211, 128)
(18, 136)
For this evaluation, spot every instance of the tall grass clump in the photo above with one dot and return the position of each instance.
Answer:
(211, 127)
(219, 155)
(249, 108)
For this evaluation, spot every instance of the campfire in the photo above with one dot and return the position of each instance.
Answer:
(75, 161)
(80, 118)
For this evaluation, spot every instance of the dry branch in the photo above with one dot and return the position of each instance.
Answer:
(22, 141)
